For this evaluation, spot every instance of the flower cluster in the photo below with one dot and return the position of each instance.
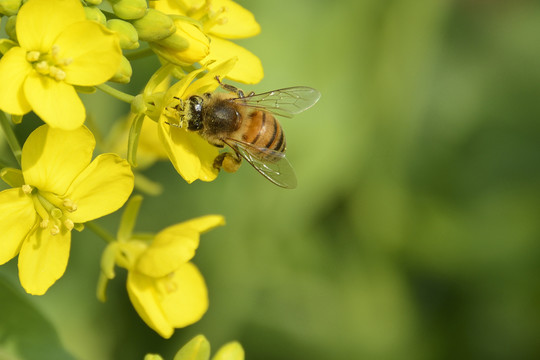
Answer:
(57, 49)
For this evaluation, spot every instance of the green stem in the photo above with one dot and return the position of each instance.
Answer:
(10, 136)
(120, 95)
(139, 54)
(133, 139)
(99, 231)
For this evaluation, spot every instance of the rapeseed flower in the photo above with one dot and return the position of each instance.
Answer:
(191, 155)
(58, 49)
(59, 187)
(165, 288)
(222, 21)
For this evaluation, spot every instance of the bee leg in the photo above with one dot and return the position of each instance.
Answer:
(231, 88)
(228, 162)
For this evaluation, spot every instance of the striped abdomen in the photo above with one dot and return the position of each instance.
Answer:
(262, 130)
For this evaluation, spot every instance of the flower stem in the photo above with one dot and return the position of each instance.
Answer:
(10, 136)
(99, 231)
(133, 139)
(120, 95)
(139, 54)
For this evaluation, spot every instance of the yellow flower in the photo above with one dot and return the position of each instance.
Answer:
(191, 155)
(199, 348)
(59, 48)
(165, 288)
(186, 46)
(60, 187)
(222, 20)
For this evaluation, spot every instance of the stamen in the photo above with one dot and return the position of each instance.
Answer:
(55, 50)
(32, 56)
(44, 223)
(42, 67)
(56, 213)
(70, 205)
(27, 189)
(67, 61)
(57, 73)
(69, 224)
(55, 230)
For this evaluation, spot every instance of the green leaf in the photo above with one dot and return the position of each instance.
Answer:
(24, 331)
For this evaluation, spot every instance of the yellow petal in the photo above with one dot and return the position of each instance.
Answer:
(230, 351)
(175, 245)
(208, 83)
(187, 299)
(40, 22)
(95, 58)
(168, 251)
(14, 70)
(173, 7)
(145, 299)
(56, 102)
(43, 259)
(16, 222)
(102, 188)
(201, 224)
(192, 156)
(239, 23)
(248, 69)
(52, 158)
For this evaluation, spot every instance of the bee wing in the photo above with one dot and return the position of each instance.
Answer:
(278, 170)
(283, 102)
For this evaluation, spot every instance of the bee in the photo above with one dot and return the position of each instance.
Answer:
(247, 125)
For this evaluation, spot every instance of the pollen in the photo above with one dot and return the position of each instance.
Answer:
(69, 205)
(68, 223)
(55, 230)
(42, 67)
(44, 223)
(27, 189)
(33, 56)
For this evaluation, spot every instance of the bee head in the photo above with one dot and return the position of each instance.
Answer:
(195, 109)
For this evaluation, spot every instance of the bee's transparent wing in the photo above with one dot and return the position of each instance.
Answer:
(283, 102)
(273, 165)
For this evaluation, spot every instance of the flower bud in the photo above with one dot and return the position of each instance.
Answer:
(95, 14)
(154, 26)
(186, 46)
(10, 27)
(124, 72)
(129, 9)
(10, 7)
(129, 39)
(93, 2)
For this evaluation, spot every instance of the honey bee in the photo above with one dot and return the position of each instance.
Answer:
(246, 124)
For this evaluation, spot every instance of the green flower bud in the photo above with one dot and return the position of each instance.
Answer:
(10, 7)
(95, 14)
(129, 9)
(93, 2)
(154, 26)
(129, 39)
(124, 72)
(10, 27)
(186, 46)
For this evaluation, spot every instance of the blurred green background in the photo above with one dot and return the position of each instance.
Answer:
(415, 230)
